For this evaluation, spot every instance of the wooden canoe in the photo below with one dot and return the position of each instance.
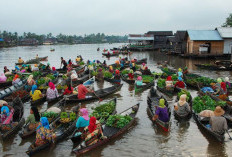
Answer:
(91, 96)
(214, 67)
(31, 61)
(153, 101)
(139, 89)
(129, 81)
(111, 132)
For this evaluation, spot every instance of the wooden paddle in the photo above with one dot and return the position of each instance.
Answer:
(97, 96)
(229, 135)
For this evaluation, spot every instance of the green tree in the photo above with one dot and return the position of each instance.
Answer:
(228, 22)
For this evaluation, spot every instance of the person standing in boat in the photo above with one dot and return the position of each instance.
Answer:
(52, 92)
(182, 107)
(161, 112)
(179, 83)
(180, 73)
(20, 60)
(82, 91)
(64, 63)
(218, 123)
(83, 120)
(33, 119)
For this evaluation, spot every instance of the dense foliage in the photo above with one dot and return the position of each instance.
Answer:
(183, 91)
(118, 121)
(147, 78)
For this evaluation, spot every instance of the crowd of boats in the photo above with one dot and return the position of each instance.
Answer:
(73, 84)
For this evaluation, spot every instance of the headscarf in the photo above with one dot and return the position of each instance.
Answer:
(15, 77)
(51, 85)
(146, 68)
(3, 78)
(111, 68)
(44, 123)
(162, 103)
(33, 88)
(223, 86)
(92, 124)
(117, 72)
(219, 80)
(169, 78)
(139, 78)
(227, 79)
(180, 78)
(117, 62)
(30, 78)
(180, 70)
(143, 64)
(85, 113)
(6, 110)
(53, 69)
(182, 100)
(17, 68)
(36, 113)
(35, 65)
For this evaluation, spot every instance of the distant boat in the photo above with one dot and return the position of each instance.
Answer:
(52, 50)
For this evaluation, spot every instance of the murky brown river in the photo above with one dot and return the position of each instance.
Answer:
(145, 140)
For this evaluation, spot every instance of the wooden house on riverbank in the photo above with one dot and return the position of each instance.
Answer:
(160, 38)
(226, 34)
(204, 43)
(140, 42)
(28, 42)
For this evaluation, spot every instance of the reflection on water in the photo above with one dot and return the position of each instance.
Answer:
(144, 139)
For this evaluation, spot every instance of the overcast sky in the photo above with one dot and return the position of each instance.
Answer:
(111, 16)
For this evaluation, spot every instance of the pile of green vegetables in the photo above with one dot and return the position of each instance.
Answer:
(72, 116)
(174, 77)
(103, 111)
(161, 83)
(147, 78)
(108, 74)
(41, 81)
(94, 73)
(51, 76)
(49, 114)
(202, 80)
(64, 77)
(82, 63)
(36, 74)
(206, 103)
(10, 78)
(118, 121)
(125, 71)
(183, 91)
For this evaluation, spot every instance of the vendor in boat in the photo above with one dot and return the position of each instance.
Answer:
(5, 112)
(139, 81)
(182, 107)
(20, 60)
(54, 72)
(169, 83)
(16, 79)
(133, 67)
(33, 119)
(73, 75)
(143, 66)
(218, 123)
(6, 70)
(29, 69)
(82, 90)
(161, 112)
(179, 83)
(111, 69)
(227, 81)
(3, 78)
(63, 62)
(48, 67)
(35, 94)
(68, 90)
(17, 69)
(180, 74)
(37, 56)
(117, 62)
(104, 63)
(78, 59)
(121, 65)
(83, 120)
(117, 76)
(92, 133)
(131, 75)
(52, 92)
(146, 71)
(43, 132)
(36, 68)
(30, 80)
(100, 75)
(219, 87)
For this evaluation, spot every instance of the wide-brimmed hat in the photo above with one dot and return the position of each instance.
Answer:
(218, 111)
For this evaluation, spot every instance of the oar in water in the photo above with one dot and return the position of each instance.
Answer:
(97, 96)
(229, 135)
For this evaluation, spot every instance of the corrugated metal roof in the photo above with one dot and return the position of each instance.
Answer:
(225, 32)
(212, 35)
(161, 33)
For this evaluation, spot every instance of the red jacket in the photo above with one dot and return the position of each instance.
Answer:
(180, 84)
(67, 91)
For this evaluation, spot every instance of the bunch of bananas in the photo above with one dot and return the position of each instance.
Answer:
(65, 120)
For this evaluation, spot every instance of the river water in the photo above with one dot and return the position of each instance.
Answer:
(144, 139)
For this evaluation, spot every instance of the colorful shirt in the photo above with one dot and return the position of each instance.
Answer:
(139, 83)
(163, 114)
(81, 122)
(82, 91)
(92, 138)
(36, 95)
(52, 94)
(43, 135)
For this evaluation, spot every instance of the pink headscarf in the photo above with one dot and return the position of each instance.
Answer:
(85, 113)
(139, 78)
(51, 85)
(143, 64)
(3, 78)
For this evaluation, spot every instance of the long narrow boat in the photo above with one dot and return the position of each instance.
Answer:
(78, 70)
(18, 119)
(169, 93)
(202, 122)
(83, 78)
(43, 99)
(152, 102)
(214, 67)
(25, 96)
(76, 139)
(43, 58)
(62, 131)
(111, 132)
(110, 55)
(31, 61)
(26, 132)
(5, 84)
(139, 89)
(112, 80)
(8, 91)
(97, 94)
